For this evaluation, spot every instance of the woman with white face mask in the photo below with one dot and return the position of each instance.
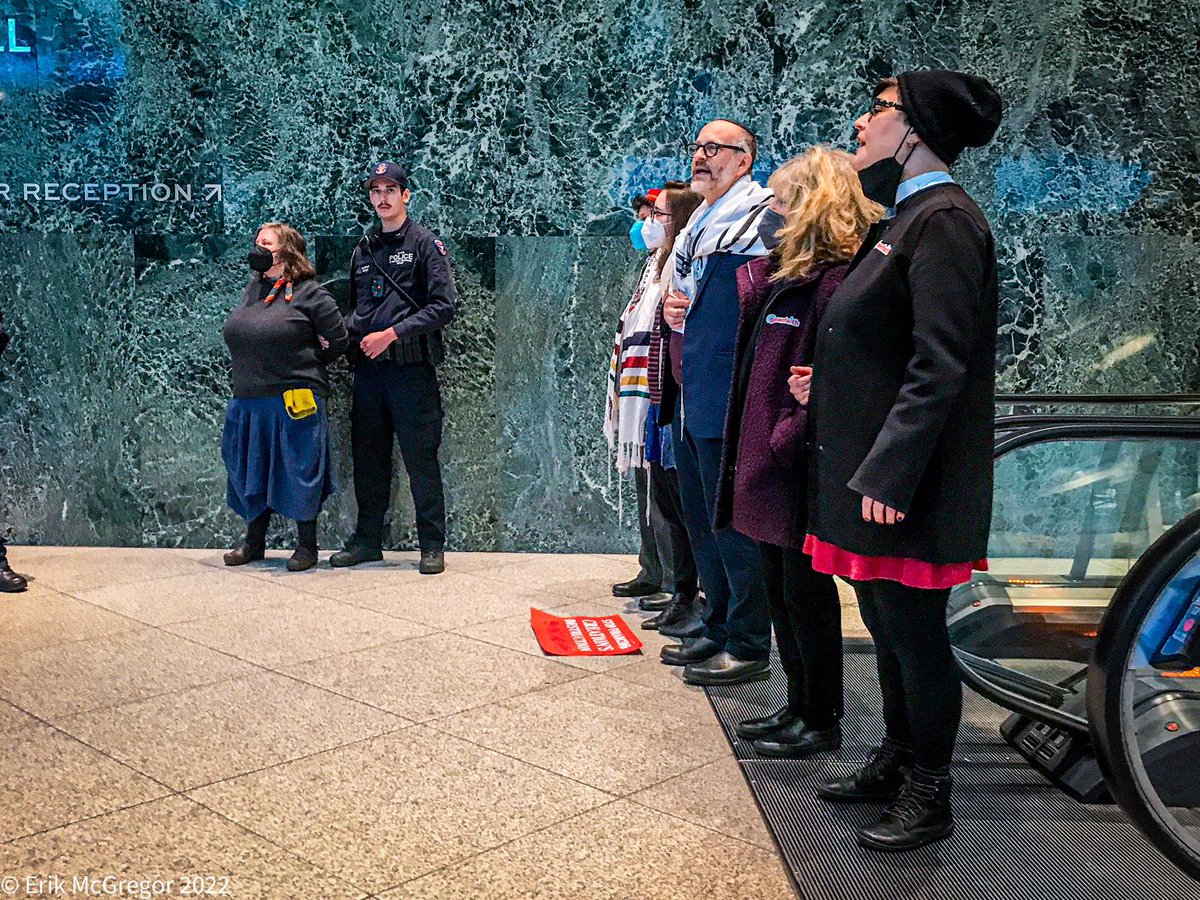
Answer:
(630, 425)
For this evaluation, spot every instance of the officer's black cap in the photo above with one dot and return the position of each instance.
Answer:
(392, 171)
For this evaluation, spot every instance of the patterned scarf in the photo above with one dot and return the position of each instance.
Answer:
(728, 226)
(627, 399)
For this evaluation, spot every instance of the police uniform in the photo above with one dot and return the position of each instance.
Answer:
(399, 280)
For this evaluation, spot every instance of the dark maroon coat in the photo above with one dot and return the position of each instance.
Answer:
(762, 487)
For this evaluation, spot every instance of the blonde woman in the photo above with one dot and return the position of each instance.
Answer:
(276, 442)
(814, 226)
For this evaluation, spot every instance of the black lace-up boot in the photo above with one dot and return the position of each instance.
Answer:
(878, 781)
(919, 816)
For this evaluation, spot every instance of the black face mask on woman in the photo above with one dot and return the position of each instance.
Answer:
(881, 179)
(768, 228)
(260, 259)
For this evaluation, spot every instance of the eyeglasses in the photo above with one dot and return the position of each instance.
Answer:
(878, 106)
(712, 148)
(658, 214)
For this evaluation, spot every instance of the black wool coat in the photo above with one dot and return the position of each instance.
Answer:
(903, 391)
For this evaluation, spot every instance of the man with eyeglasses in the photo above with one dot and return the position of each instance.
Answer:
(702, 311)
(402, 294)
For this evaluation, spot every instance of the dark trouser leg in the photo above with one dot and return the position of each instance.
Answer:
(785, 638)
(747, 621)
(371, 442)
(648, 557)
(256, 530)
(3, 555)
(923, 698)
(416, 404)
(306, 535)
(916, 621)
(891, 683)
(673, 542)
(814, 617)
(700, 534)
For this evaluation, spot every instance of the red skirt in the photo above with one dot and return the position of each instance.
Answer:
(914, 573)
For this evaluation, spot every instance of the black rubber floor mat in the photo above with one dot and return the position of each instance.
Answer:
(1017, 837)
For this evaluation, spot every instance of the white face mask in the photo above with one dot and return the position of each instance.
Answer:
(654, 233)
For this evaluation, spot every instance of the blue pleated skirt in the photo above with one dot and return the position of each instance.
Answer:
(275, 461)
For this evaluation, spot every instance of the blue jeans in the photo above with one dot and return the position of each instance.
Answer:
(729, 563)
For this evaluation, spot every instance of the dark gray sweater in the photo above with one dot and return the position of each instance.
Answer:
(275, 348)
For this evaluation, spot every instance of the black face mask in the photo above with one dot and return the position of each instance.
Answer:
(260, 259)
(768, 226)
(881, 179)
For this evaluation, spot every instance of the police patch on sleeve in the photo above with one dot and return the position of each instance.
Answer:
(441, 248)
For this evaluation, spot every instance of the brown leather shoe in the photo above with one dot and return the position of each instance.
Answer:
(242, 553)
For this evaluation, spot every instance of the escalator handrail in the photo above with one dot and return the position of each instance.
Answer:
(1096, 399)
(1097, 428)
(1040, 420)
(1014, 702)
(1118, 632)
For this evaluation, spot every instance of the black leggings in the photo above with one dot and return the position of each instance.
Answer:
(921, 686)
(807, 616)
(256, 532)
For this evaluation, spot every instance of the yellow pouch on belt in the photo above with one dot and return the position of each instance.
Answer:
(300, 403)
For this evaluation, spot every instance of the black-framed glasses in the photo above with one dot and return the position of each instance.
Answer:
(656, 213)
(712, 148)
(878, 106)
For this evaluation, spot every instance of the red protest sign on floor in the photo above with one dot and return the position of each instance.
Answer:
(583, 635)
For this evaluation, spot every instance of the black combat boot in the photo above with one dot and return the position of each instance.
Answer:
(919, 816)
(879, 781)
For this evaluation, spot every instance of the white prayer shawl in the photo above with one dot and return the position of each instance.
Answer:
(627, 400)
(728, 226)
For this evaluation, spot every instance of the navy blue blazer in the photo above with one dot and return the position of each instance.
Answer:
(709, 342)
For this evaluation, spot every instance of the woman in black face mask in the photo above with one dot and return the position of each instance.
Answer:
(813, 227)
(276, 442)
(902, 396)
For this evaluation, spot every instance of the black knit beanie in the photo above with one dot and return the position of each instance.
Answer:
(949, 110)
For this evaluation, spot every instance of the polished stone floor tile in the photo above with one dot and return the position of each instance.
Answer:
(13, 719)
(50, 779)
(434, 676)
(389, 809)
(43, 617)
(99, 567)
(177, 840)
(86, 675)
(193, 737)
(616, 736)
(297, 631)
(616, 852)
(453, 600)
(196, 595)
(714, 796)
(577, 576)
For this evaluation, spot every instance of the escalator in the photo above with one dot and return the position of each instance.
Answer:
(1087, 625)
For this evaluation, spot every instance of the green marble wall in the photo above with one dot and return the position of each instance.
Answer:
(526, 126)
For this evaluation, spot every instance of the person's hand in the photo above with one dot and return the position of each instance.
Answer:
(800, 383)
(675, 308)
(324, 343)
(880, 513)
(377, 341)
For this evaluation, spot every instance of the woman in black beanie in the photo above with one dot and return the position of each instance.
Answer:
(902, 394)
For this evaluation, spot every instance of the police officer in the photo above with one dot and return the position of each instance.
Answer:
(403, 296)
(10, 581)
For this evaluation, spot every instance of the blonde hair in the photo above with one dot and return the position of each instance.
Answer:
(293, 252)
(827, 212)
